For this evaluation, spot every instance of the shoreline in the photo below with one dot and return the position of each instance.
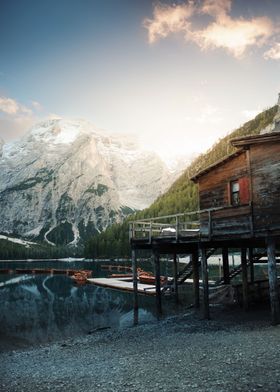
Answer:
(234, 351)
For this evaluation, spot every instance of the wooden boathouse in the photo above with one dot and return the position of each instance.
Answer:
(239, 207)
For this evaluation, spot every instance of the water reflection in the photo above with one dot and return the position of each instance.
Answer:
(43, 308)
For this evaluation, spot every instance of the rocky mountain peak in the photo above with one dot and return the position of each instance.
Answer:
(66, 179)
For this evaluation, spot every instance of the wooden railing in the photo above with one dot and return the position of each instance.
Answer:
(191, 224)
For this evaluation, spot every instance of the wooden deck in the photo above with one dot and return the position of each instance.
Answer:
(123, 284)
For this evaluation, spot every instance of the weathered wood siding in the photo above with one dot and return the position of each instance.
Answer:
(214, 191)
(214, 186)
(265, 167)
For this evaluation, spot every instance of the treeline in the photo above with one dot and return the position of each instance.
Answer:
(10, 251)
(181, 197)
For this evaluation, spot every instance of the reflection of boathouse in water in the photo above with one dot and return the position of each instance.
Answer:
(239, 201)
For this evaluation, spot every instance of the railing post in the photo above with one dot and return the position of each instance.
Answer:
(131, 231)
(150, 232)
(177, 228)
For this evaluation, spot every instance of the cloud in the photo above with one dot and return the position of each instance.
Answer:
(13, 128)
(232, 34)
(15, 118)
(273, 53)
(54, 116)
(167, 20)
(216, 8)
(235, 35)
(36, 105)
(11, 107)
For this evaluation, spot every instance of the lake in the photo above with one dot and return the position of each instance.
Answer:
(41, 308)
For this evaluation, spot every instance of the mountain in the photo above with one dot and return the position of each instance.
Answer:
(182, 196)
(66, 180)
(1, 146)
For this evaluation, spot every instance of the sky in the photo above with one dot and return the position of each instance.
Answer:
(178, 74)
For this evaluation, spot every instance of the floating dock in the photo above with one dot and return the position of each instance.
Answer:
(123, 284)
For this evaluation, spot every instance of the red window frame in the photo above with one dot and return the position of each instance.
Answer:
(239, 191)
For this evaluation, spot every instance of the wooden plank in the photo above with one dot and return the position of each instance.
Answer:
(135, 287)
(206, 313)
(272, 276)
(232, 212)
(123, 284)
(236, 167)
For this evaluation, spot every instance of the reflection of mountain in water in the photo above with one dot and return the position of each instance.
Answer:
(44, 308)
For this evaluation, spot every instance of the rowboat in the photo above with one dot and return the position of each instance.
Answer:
(148, 278)
(80, 277)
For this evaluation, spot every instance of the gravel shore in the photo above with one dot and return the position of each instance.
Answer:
(233, 351)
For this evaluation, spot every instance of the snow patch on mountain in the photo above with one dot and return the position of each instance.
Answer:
(19, 241)
(66, 180)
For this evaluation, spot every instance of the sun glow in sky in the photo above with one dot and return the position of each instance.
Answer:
(178, 74)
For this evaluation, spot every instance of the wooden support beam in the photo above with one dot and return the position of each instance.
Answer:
(158, 290)
(251, 260)
(195, 278)
(244, 278)
(206, 313)
(225, 265)
(135, 287)
(175, 277)
(273, 287)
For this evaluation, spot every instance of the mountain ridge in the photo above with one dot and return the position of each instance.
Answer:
(182, 195)
(66, 180)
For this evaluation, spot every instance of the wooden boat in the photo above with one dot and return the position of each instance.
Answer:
(41, 271)
(23, 271)
(55, 271)
(6, 271)
(148, 278)
(80, 277)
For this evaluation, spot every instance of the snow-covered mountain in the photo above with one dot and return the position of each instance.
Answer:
(1, 146)
(66, 179)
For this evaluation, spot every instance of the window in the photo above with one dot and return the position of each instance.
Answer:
(239, 192)
(235, 193)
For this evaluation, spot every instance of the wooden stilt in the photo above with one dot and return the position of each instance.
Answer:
(251, 260)
(175, 277)
(158, 291)
(225, 265)
(195, 278)
(206, 313)
(273, 287)
(135, 287)
(244, 278)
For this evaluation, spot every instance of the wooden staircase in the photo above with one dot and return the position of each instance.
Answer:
(186, 273)
(233, 273)
(237, 270)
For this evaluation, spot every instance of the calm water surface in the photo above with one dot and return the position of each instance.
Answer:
(41, 308)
